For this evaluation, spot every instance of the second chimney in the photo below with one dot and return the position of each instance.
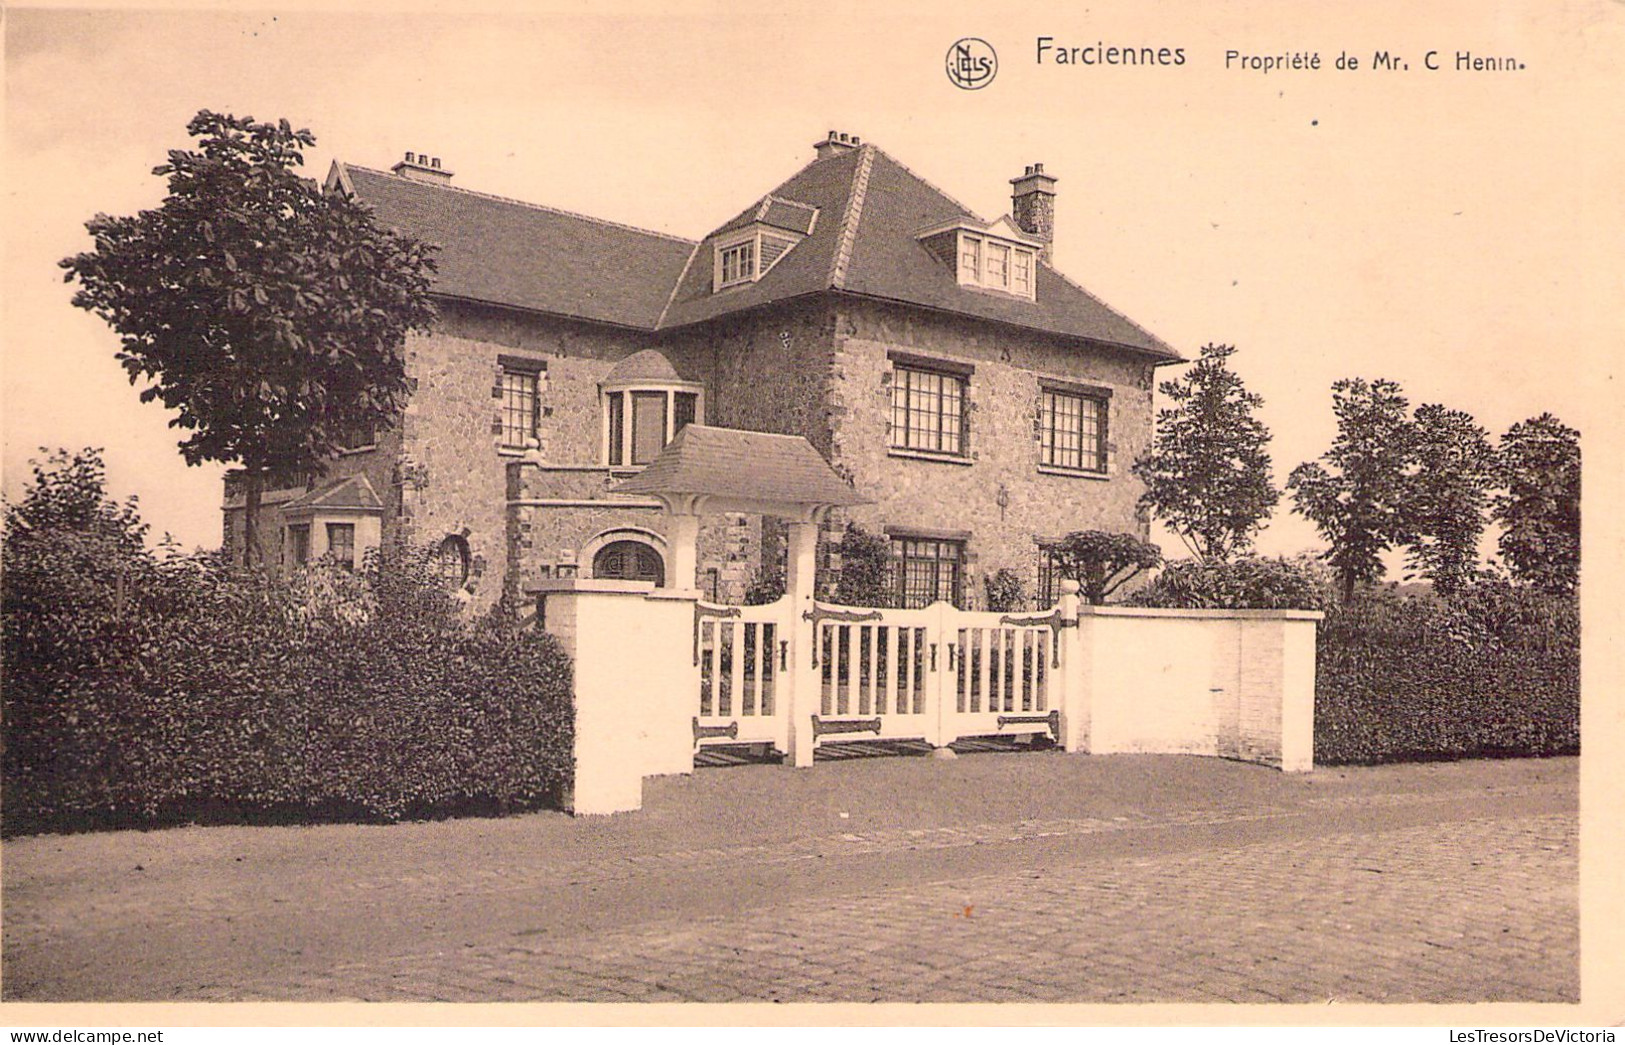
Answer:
(419, 166)
(1032, 204)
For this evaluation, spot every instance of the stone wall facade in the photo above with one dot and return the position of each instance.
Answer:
(997, 500)
(820, 367)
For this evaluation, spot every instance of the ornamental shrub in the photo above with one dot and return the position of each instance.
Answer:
(1251, 583)
(1493, 671)
(145, 689)
(1005, 592)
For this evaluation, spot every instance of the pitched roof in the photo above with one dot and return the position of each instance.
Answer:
(744, 466)
(353, 492)
(860, 211)
(511, 253)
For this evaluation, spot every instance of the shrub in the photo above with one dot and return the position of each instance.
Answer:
(1248, 583)
(1490, 672)
(173, 688)
(1102, 562)
(1005, 592)
(865, 577)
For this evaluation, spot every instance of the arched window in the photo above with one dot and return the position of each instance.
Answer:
(451, 562)
(629, 561)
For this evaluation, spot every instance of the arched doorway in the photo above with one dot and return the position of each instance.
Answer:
(629, 561)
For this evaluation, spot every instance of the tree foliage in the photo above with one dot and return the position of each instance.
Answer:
(865, 577)
(267, 314)
(1539, 508)
(1207, 475)
(1357, 493)
(1454, 468)
(1102, 562)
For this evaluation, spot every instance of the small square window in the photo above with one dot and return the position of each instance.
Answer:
(929, 571)
(928, 411)
(341, 544)
(739, 263)
(1072, 431)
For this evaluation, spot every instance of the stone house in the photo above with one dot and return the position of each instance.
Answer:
(984, 403)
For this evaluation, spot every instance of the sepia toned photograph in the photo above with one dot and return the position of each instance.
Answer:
(811, 515)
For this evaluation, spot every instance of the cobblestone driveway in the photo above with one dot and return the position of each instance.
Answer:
(1150, 879)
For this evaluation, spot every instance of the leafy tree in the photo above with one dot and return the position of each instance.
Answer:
(1454, 469)
(1207, 475)
(1102, 562)
(1356, 494)
(1539, 464)
(270, 315)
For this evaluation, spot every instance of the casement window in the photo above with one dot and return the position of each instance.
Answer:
(738, 263)
(1072, 429)
(928, 410)
(1048, 589)
(996, 257)
(299, 543)
(639, 420)
(520, 390)
(341, 544)
(928, 570)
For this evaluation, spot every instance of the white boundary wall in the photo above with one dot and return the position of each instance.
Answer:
(1229, 683)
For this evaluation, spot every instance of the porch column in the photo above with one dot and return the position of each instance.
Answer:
(684, 542)
(801, 564)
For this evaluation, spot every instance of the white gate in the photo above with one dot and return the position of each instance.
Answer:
(742, 653)
(935, 674)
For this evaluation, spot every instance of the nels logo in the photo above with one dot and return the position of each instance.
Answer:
(972, 63)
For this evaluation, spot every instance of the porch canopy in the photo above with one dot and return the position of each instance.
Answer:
(706, 469)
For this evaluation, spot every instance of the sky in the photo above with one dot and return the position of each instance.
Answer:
(1454, 231)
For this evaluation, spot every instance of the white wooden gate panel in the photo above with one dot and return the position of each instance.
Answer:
(742, 653)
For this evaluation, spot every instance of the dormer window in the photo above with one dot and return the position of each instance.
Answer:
(998, 257)
(749, 248)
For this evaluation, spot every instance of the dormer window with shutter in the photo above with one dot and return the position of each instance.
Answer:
(997, 257)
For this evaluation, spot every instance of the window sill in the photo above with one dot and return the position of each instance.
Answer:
(1072, 473)
(927, 455)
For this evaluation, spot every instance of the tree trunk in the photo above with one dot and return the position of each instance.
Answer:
(253, 485)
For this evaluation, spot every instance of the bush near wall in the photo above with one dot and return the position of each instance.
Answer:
(143, 690)
(1493, 671)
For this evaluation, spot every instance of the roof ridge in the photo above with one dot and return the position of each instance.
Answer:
(849, 220)
(526, 203)
(677, 285)
(1080, 288)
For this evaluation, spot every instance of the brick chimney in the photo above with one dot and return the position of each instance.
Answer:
(836, 144)
(1032, 204)
(419, 167)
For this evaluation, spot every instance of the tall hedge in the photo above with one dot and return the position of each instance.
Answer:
(1491, 672)
(145, 689)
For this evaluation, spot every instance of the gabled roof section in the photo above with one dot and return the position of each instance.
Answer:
(742, 466)
(872, 211)
(353, 493)
(506, 252)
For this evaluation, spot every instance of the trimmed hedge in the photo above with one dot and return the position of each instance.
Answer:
(1251, 583)
(142, 690)
(1492, 672)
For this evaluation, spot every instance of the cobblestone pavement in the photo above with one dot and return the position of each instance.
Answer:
(1146, 878)
(1482, 910)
